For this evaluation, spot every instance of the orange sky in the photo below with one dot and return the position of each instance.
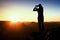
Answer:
(23, 12)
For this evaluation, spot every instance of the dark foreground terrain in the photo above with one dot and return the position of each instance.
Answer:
(23, 30)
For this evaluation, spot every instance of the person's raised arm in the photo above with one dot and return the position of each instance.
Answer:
(36, 8)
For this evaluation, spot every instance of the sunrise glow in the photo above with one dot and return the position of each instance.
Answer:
(14, 19)
(23, 11)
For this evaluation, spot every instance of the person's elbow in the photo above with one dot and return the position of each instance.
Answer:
(34, 9)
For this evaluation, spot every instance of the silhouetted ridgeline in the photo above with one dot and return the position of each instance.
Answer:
(47, 25)
(23, 30)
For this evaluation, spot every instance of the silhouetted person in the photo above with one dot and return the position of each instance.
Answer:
(39, 9)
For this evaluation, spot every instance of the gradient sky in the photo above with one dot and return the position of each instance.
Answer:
(23, 10)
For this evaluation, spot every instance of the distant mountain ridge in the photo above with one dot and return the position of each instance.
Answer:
(23, 30)
(47, 25)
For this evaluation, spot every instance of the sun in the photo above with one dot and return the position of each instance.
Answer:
(14, 19)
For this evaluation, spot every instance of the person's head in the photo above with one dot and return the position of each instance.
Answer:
(39, 5)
